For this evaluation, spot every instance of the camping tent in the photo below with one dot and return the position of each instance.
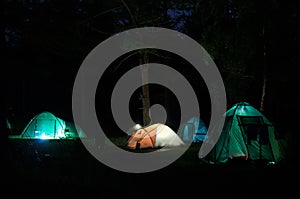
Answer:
(194, 130)
(154, 136)
(45, 125)
(247, 134)
(72, 131)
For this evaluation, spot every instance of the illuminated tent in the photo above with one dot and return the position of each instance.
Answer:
(194, 130)
(45, 126)
(246, 134)
(71, 131)
(154, 136)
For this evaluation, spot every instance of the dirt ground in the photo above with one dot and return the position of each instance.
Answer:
(65, 167)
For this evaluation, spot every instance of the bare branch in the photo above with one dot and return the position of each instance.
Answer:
(161, 56)
(150, 20)
(127, 57)
(130, 13)
(101, 13)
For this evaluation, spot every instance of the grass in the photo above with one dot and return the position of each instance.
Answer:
(66, 167)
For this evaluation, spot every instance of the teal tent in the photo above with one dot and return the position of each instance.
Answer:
(194, 130)
(246, 134)
(45, 125)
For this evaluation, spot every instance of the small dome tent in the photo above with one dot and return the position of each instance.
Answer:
(154, 136)
(246, 134)
(194, 130)
(45, 125)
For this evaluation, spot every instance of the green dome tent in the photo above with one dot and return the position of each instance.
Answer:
(247, 134)
(46, 125)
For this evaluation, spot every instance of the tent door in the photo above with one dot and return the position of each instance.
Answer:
(254, 129)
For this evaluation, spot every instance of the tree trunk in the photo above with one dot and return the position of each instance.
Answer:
(145, 89)
(263, 95)
(264, 88)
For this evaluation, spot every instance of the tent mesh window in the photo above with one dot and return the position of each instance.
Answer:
(264, 134)
(254, 128)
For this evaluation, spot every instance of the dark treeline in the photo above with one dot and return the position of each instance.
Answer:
(253, 43)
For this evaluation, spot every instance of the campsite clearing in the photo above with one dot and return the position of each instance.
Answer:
(65, 167)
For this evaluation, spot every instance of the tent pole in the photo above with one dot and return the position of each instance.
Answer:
(35, 125)
(260, 147)
(270, 145)
(54, 128)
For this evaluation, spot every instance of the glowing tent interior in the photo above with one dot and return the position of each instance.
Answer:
(194, 130)
(154, 136)
(46, 125)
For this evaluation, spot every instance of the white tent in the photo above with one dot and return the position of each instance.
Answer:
(154, 136)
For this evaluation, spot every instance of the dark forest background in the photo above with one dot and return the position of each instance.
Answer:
(253, 43)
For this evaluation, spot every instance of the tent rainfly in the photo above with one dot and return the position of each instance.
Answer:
(45, 125)
(246, 134)
(154, 136)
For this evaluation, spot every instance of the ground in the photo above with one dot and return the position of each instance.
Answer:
(66, 167)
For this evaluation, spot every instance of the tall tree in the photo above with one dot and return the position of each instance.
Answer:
(225, 27)
(135, 14)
